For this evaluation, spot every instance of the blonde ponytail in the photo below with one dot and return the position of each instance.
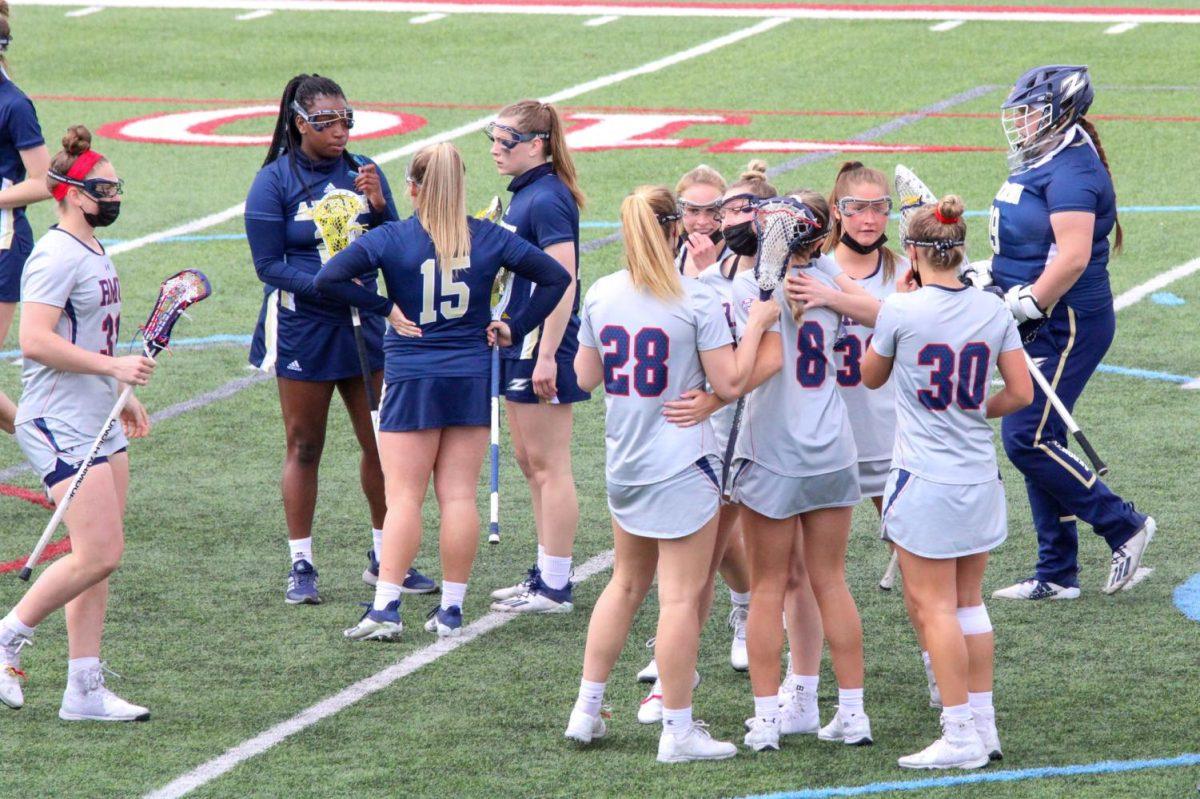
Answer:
(649, 221)
(439, 174)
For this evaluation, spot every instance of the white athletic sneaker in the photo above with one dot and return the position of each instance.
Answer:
(985, 725)
(88, 699)
(377, 625)
(853, 729)
(695, 743)
(11, 675)
(799, 716)
(650, 673)
(651, 709)
(584, 729)
(1037, 589)
(762, 734)
(1127, 557)
(959, 747)
(538, 598)
(501, 594)
(788, 687)
(737, 647)
(935, 693)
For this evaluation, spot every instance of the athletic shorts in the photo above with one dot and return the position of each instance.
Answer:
(672, 508)
(298, 347)
(873, 476)
(12, 264)
(517, 383)
(779, 496)
(428, 403)
(943, 520)
(56, 450)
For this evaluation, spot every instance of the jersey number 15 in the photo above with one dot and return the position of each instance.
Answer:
(451, 303)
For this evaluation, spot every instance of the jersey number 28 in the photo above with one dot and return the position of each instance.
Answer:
(651, 346)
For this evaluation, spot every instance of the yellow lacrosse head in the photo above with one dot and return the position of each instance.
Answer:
(335, 217)
(493, 212)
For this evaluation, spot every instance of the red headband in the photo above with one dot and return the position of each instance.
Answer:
(945, 220)
(78, 171)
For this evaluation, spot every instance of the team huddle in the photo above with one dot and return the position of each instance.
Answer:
(767, 361)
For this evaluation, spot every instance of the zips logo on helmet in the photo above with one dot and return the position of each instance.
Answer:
(1042, 109)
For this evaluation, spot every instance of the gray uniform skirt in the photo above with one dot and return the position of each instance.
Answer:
(671, 508)
(873, 476)
(943, 520)
(779, 496)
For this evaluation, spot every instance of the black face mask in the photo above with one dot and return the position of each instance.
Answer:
(716, 236)
(860, 249)
(106, 214)
(741, 238)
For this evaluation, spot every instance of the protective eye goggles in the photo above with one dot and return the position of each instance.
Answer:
(5, 41)
(325, 117)
(739, 204)
(667, 219)
(853, 206)
(96, 188)
(510, 137)
(941, 245)
(692, 210)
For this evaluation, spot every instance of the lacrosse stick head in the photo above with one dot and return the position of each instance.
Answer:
(494, 210)
(177, 294)
(334, 216)
(785, 227)
(913, 194)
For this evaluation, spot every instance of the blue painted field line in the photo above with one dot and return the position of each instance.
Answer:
(1145, 374)
(1015, 775)
(1167, 298)
(1187, 597)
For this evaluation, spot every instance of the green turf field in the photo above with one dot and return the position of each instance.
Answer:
(197, 625)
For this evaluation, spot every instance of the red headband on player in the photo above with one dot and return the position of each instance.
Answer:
(946, 220)
(78, 171)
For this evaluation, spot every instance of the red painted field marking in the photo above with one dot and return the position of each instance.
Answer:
(56, 548)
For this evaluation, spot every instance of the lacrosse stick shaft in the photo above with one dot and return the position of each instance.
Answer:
(61, 508)
(1100, 466)
(727, 462)
(494, 522)
(364, 363)
(889, 574)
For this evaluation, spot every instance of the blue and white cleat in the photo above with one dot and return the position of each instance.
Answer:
(377, 625)
(445, 622)
(538, 598)
(302, 585)
(511, 591)
(1036, 589)
(414, 581)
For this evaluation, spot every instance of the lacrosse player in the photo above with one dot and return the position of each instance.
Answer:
(24, 160)
(306, 339)
(70, 326)
(696, 405)
(944, 508)
(702, 243)
(439, 267)
(647, 335)
(528, 144)
(1049, 231)
(794, 475)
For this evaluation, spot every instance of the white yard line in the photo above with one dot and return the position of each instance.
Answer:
(424, 18)
(1156, 283)
(84, 12)
(948, 25)
(1121, 27)
(207, 772)
(934, 12)
(598, 21)
(259, 14)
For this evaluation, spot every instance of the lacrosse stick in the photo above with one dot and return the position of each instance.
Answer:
(335, 217)
(913, 194)
(784, 226)
(889, 574)
(500, 294)
(176, 294)
(1098, 465)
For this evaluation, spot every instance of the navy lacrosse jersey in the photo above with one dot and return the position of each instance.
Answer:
(19, 130)
(543, 212)
(1074, 179)
(284, 240)
(452, 311)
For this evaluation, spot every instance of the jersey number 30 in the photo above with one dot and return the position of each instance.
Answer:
(971, 367)
(454, 299)
(650, 350)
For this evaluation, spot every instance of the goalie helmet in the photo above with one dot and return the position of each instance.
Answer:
(1042, 108)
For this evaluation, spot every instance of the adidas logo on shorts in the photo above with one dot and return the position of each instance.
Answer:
(294, 366)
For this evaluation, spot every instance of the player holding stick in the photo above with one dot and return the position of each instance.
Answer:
(648, 333)
(309, 340)
(944, 508)
(70, 325)
(439, 266)
(529, 145)
(1049, 231)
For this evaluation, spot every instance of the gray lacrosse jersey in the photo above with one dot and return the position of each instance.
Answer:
(945, 343)
(64, 272)
(795, 423)
(722, 420)
(872, 413)
(651, 353)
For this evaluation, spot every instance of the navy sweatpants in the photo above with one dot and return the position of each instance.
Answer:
(1062, 488)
